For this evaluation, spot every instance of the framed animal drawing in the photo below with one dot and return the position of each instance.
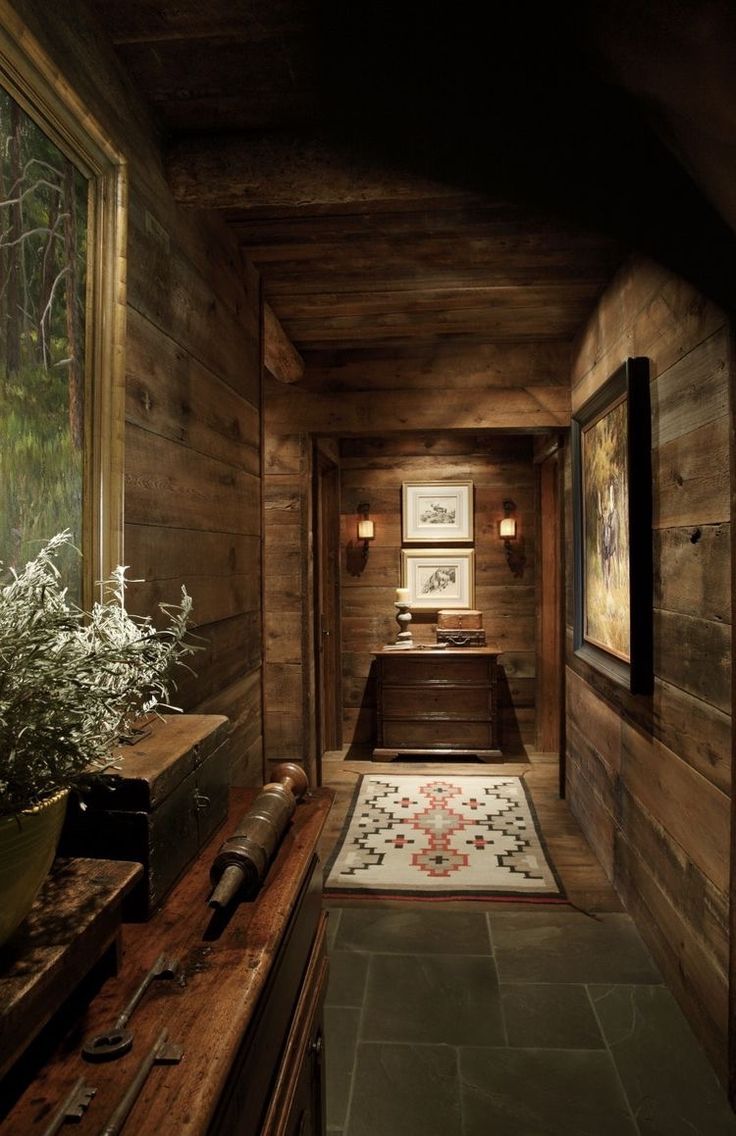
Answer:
(442, 577)
(435, 513)
(612, 515)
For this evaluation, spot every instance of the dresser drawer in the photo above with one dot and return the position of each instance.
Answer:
(440, 668)
(441, 701)
(411, 734)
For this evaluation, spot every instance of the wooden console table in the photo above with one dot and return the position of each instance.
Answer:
(246, 1007)
(436, 702)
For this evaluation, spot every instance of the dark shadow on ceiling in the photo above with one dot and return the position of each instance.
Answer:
(509, 102)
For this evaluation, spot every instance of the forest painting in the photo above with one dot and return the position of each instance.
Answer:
(605, 500)
(43, 256)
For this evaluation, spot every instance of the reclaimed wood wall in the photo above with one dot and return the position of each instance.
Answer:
(192, 431)
(438, 390)
(500, 467)
(649, 778)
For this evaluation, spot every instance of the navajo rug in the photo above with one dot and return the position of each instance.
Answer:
(444, 837)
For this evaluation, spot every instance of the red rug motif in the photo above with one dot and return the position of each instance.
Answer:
(442, 838)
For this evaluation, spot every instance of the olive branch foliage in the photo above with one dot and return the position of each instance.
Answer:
(72, 682)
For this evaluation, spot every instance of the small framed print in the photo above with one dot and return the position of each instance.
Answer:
(444, 577)
(436, 513)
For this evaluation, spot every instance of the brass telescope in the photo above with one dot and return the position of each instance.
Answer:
(242, 862)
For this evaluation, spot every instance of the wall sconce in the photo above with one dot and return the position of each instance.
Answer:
(515, 557)
(507, 526)
(366, 531)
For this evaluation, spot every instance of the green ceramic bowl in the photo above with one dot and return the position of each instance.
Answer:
(28, 844)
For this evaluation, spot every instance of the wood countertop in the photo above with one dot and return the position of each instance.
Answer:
(207, 1008)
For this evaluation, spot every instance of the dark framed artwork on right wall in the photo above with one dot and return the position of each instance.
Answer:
(612, 528)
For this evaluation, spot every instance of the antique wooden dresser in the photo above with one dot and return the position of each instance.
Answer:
(436, 701)
(243, 1010)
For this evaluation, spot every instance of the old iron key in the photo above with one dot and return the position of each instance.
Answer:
(118, 1040)
(72, 1107)
(162, 1052)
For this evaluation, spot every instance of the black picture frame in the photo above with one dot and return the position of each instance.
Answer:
(627, 387)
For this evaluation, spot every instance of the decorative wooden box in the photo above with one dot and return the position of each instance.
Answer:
(163, 802)
(459, 619)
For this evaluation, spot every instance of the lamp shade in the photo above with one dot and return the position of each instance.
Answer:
(365, 529)
(507, 528)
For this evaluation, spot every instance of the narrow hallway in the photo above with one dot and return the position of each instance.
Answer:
(472, 1018)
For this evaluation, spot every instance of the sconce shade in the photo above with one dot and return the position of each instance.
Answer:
(507, 528)
(365, 530)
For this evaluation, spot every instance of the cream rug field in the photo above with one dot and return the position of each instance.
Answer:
(445, 837)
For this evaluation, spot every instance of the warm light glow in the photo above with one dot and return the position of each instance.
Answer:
(507, 528)
(365, 530)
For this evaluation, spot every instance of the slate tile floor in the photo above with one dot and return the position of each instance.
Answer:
(542, 1022)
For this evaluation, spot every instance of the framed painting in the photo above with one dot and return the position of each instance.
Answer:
(62, 320)
(612, 528)
(442, 577)
(438, 513)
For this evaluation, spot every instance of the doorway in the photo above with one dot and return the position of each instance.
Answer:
(326, 546)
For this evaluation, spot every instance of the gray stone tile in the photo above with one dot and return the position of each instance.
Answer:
(407, 930)
(450, 999)
(670, 1084)
(346, 986)
(549, 1016)
(535, 1092)
(341, 1037)
(405, 1090)
(567, 946)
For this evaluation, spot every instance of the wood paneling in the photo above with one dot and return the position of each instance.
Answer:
(280, 357)
(691, 570)
(650, 777)
(449, 366)
(691, 478)
(363, 412)
(170, 393)
(170, 485)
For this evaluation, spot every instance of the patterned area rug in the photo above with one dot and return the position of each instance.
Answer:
(442, 837)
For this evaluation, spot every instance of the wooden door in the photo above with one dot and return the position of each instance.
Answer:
(326, 546)
(549, 604)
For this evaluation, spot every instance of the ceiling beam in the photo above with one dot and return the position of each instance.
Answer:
(280, 357)
(276, 170)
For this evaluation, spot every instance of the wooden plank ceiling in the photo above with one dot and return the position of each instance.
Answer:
(366, 245)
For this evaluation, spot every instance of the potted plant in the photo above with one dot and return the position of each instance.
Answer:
(71, 684)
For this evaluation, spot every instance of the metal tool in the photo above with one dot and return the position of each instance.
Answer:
(162, 1052)
(118, 1040)
(72, 1107)
(243, 859)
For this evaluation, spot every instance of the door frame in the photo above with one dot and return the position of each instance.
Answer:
(550, 685)
(326, 600)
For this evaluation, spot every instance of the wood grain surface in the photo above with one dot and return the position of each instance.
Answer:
(207, 1010)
